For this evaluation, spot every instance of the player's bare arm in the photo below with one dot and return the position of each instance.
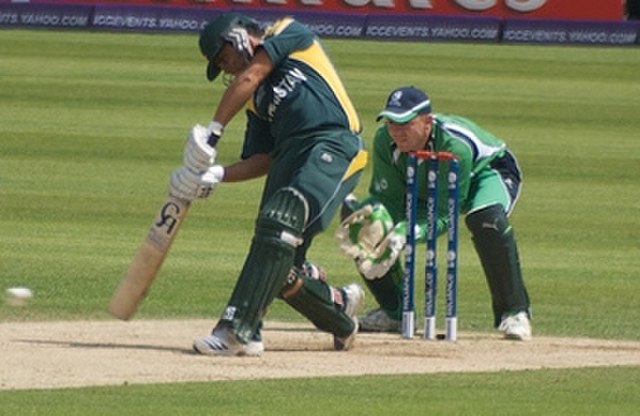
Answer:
(245, 83)
(252, 167)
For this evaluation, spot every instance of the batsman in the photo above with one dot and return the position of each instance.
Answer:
(373, 232)
(302, 132)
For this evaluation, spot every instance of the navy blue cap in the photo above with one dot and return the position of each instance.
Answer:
(404, 104)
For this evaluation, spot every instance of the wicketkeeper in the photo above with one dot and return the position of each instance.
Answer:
(373, 231)
(302, 131)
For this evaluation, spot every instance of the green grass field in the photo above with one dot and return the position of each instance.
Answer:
(91, 125)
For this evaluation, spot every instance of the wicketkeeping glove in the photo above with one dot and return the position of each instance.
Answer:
(364, 229)
(188, 185)
(376, 262)
(369, 236)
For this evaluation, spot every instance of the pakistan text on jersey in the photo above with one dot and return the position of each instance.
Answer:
(282, 89)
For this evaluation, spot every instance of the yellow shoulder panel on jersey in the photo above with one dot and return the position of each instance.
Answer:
(278, 26)
(316, 58)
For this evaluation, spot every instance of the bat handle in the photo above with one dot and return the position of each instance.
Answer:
(215, 130)
(213, 140)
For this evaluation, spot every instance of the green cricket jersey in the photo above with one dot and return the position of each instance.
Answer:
(302, 96)
(475, 147)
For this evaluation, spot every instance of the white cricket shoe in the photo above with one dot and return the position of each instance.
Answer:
(354, 303)
(222, 342)
(376, 320)
(516, 327)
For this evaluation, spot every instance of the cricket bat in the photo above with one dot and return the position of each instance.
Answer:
(145, 265)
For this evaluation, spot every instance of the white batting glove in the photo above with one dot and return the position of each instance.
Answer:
(198, 155)
(188, 185)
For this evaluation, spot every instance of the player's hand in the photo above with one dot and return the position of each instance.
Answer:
(376, 263)
(348, 232)
(188, 185)
(365, 234)
(198, 154)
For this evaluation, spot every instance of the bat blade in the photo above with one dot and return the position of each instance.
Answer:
(145, 265)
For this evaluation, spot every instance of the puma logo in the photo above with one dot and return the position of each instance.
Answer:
(491, 226)
(509, 183)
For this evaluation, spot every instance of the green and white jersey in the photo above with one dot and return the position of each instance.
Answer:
(475, 147)
(301, 96)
